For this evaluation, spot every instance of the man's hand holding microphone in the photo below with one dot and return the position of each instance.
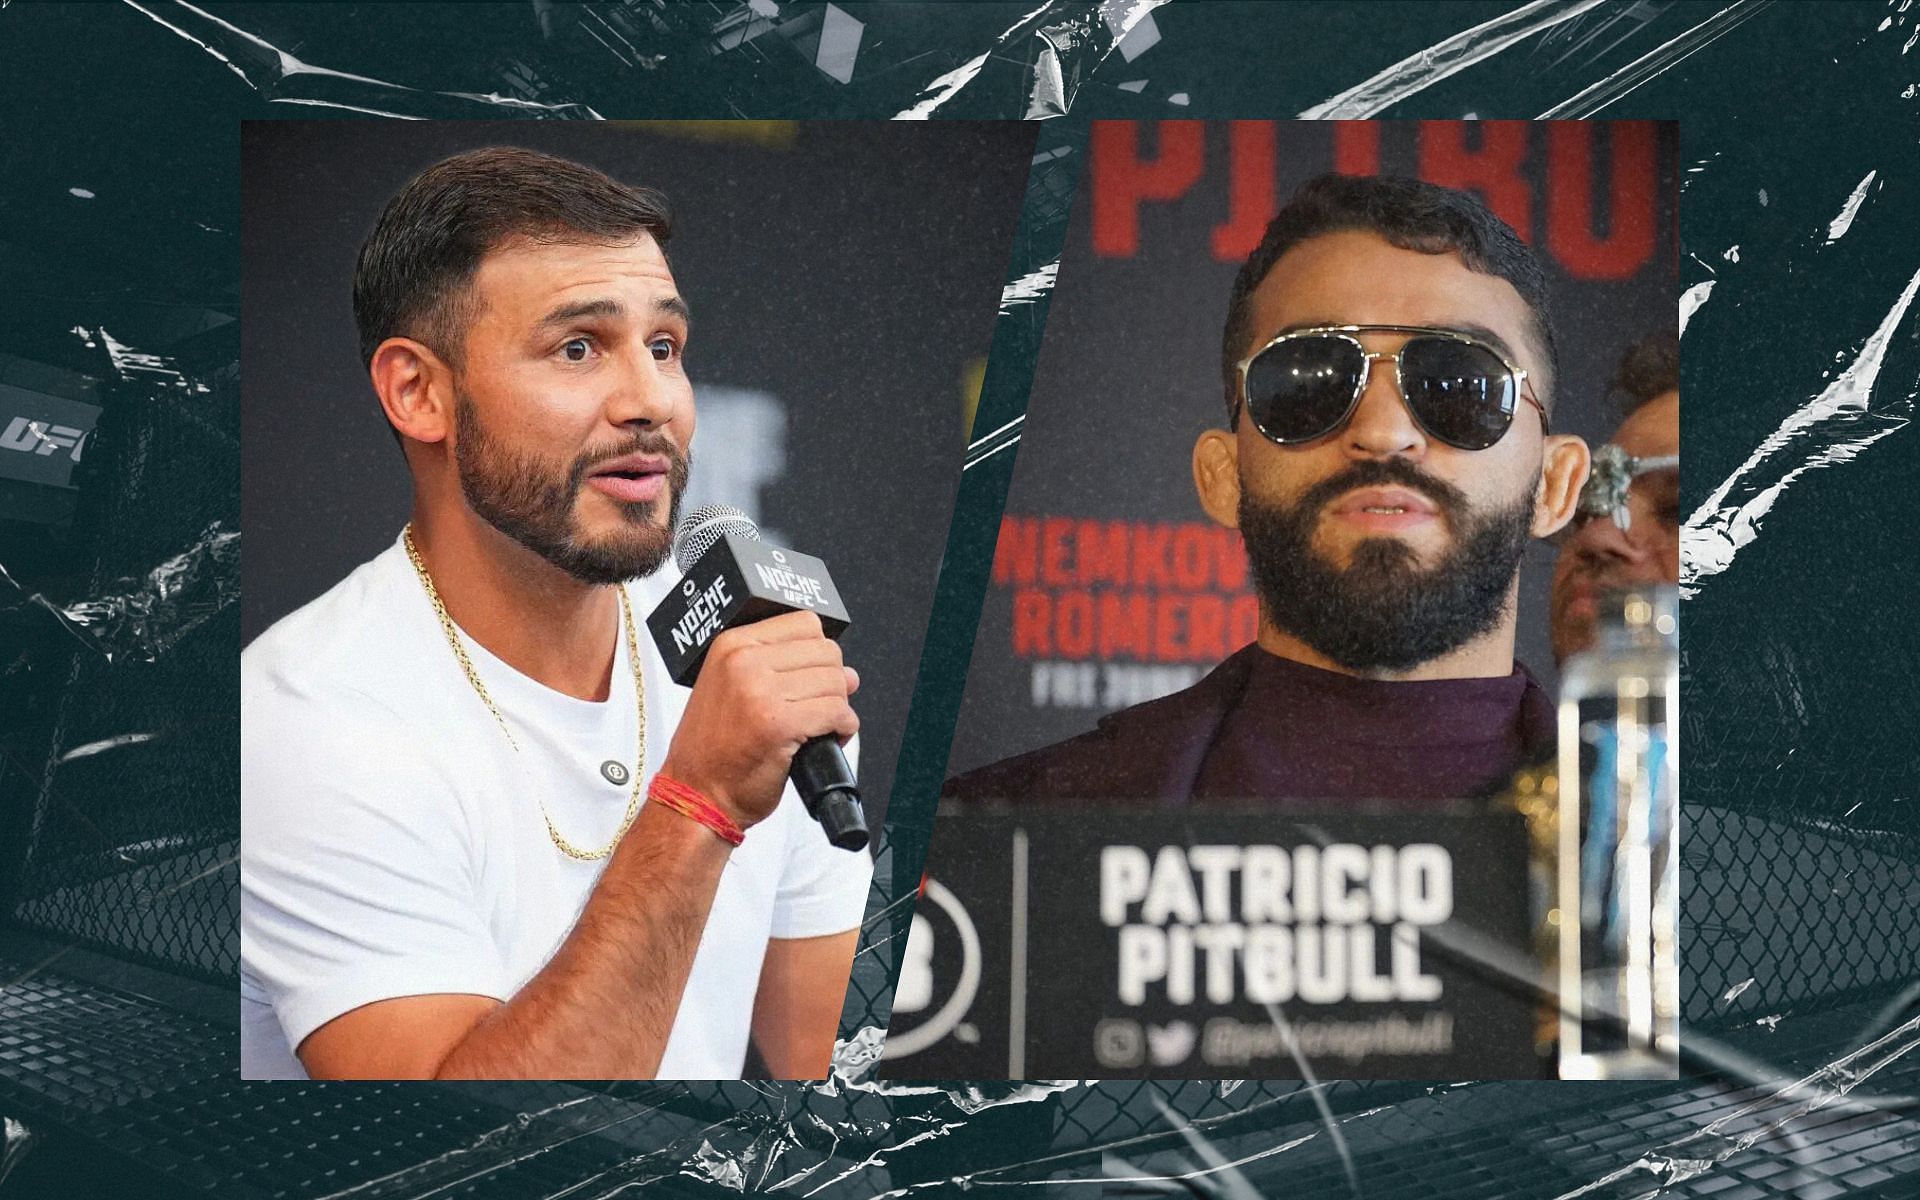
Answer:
(751, 628)
(765, 690)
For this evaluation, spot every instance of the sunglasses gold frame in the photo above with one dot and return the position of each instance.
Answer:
(1523, 387)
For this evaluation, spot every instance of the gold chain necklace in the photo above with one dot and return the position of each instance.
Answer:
(473, 677)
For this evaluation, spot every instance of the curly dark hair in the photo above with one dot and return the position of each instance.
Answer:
(1649, 368)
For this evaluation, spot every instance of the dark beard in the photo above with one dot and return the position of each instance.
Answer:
(519, 496)
(1383, 612)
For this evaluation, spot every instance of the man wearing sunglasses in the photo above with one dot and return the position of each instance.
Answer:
(1389, 366)
(1627, 530)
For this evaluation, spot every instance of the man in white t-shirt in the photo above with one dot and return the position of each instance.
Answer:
(483, 834)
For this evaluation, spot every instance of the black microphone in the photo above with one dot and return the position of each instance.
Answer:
(731, 578)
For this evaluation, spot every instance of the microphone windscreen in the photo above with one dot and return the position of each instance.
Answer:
(704, 526)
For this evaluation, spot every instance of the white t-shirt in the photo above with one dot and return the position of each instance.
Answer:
(392, 842)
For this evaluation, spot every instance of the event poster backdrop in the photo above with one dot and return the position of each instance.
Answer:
(1109, 585)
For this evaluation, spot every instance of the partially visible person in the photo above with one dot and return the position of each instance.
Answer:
(1627, 530)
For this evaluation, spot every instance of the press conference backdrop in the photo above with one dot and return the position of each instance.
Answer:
(1109, 585)
(844, 278)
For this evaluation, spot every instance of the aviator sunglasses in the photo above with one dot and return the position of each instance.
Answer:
(1460, 390)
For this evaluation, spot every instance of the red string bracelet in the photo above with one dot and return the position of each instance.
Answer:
(671, 793)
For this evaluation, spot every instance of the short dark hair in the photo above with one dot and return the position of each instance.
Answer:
(1409, 213)
(1649, 369)
(415, 272)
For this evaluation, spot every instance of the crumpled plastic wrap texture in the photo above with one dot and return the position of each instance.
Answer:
(1799, 273)
(16, 1141)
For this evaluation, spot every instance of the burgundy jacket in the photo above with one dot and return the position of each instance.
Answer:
(1153, 751)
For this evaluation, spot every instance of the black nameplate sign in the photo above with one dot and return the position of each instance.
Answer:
(1100, 940)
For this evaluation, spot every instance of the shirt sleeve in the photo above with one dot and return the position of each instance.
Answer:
(357, 868)
(822, 890)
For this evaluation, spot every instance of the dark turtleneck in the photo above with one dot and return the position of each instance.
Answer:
(1303, 733)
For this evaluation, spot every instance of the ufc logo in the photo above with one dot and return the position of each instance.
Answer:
(38, 437)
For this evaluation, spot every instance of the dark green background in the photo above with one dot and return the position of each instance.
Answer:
(1799, 761)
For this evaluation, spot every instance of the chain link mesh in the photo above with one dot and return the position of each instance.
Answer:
(133, 823)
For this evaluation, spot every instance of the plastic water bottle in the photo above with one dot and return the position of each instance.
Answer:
(1618, 853)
